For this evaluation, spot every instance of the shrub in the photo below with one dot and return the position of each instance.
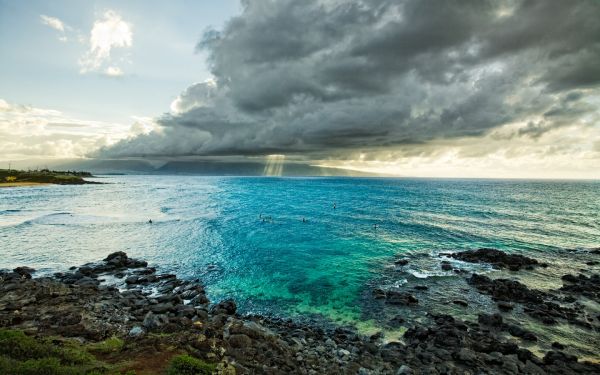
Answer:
(187, 365)
(24, 355)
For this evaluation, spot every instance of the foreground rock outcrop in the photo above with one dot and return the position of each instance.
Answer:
(160, 316)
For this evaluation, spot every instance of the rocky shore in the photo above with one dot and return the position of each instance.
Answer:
(158, 317)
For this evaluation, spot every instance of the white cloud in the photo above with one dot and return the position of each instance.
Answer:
(109, 32)
(113, 71)
(29, 132)
(53, 22)
(57, 25)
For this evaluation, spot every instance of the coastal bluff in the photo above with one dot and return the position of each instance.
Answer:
(16, 178)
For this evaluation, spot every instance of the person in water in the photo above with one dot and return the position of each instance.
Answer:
(150, 221)
(334, 205)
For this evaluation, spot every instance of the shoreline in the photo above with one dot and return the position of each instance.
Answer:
(22, 184)
(124, 298)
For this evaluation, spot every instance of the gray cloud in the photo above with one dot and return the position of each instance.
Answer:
(322, 78)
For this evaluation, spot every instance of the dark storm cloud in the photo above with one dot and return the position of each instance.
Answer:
(320, 77)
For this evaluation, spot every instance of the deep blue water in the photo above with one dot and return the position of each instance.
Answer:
(211, 227)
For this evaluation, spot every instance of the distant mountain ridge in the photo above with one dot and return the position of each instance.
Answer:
(196, 167)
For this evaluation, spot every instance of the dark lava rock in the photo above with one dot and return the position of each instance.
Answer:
(227, 307)
(394, 297)
(378, 293)
(518, 331)
(24, 271)
(496, 258)
(505, 306)
(558, 345)
(397, 321)
(401, 262)
(239, 341)
(506, 290)
(536, 303)
(494, 320)
(116, 255)
(582, 285)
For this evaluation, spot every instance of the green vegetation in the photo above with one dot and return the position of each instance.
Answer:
(187, 365)
(21, 354)
(24, 355)
(43, 176)
(110, 345)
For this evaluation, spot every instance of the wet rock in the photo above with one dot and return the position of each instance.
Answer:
(558, 345)
(467, 355)
(518, 331)
(552, 357)
(505, 306)
(496, 258)
(379, 293)
(582, 285)
(494, 320)
(394, 297)
(115, 255)
(401, 262)
(397, 321)
(24, 271)
(225, 307)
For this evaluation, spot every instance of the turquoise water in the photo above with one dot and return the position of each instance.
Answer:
(211, 227)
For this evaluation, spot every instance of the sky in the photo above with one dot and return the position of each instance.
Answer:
(507, 88)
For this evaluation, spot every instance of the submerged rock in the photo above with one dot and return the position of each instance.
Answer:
(497, 258)
(394, 297)
(535, 303)
(582, 285)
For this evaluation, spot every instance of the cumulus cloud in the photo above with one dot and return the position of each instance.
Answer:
(28, 132)
(328, 78)
(108, 33)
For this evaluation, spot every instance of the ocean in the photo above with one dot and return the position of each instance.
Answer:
(279, 247)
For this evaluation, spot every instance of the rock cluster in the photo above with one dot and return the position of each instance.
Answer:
(124, 297)
(497, 258)
(535, 303)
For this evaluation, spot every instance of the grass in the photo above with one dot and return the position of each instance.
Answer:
(21, 354)
(188, 365)
(24, 355)
(110, 345)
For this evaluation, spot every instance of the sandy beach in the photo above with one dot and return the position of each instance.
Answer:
(21, 184)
